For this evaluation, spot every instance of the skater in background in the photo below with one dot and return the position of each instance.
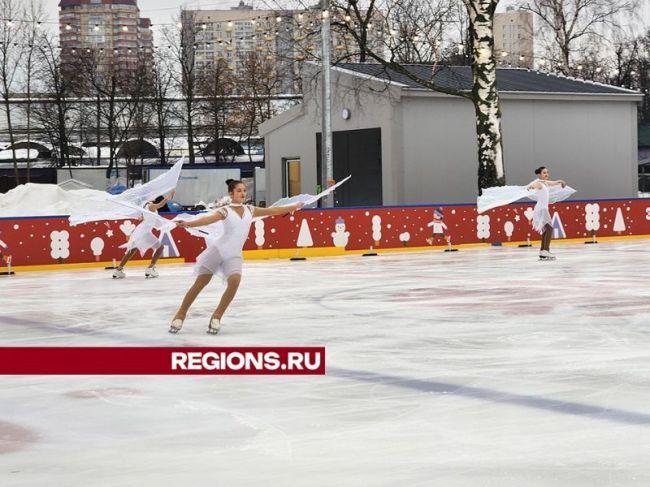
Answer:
(223, 254)
(543, 191)
(541, 214)
(143, 239)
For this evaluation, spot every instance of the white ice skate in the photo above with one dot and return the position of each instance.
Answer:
(150, 272)
(176, 326)
(118, 274)
(546, 255)
(214, 327)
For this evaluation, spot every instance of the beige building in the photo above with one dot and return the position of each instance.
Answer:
(279, 36)
(513, 38)
(111, 28)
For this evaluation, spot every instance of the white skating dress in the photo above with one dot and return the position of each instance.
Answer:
(541, 215)
(143, 238)
(223, 255)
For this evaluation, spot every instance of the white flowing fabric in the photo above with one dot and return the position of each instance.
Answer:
(308, 199)
(131, 201)
(503, 195)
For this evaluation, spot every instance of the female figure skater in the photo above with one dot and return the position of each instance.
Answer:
(143, 239)
(223, 255)
(541, 215)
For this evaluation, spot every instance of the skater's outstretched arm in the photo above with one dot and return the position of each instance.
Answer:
(204, 220)
(277, 210)
(156, 206)
(559, 182)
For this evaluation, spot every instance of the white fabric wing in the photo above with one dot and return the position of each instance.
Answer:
(558, 193)
(161, 185)
(308, 199)
(503, 195)
(104, 207)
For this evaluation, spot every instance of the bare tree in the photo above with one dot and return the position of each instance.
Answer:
(11, 50)
(566, 26)
(215, 84)
(33, 37)
(181, 46)
(162, 85)
(118, 82)
(483, 95)
(54, 117)
(258, 80)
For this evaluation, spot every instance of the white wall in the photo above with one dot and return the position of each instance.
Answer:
(590, 144)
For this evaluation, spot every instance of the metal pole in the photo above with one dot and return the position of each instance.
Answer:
(327, 173)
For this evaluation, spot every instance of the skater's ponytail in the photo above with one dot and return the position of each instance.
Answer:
(232, 184)
(539, 170)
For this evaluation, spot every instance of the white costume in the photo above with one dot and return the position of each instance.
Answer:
(223, 254)
(541, 215)
(142, 237)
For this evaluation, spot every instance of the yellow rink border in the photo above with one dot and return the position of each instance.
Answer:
(267, 254)
(91, 265)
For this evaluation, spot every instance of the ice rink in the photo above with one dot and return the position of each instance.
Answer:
(483, 367)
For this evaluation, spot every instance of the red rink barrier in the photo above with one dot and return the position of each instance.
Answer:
(162, 360)
(51, 241)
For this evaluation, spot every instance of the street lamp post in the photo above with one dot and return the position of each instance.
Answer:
(327, 168)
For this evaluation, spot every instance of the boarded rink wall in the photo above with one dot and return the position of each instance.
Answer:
(50, 243)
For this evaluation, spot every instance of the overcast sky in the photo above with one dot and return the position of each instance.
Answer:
(163, 11)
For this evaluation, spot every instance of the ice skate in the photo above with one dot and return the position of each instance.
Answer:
(150, 272)
(176, 325)
(214, 327)
(546, 255)
(118, 274)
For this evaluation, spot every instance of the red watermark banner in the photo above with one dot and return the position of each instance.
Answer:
(162, 360)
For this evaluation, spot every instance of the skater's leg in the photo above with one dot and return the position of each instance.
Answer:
(156, 255)
(126, 258)
(201, 281)
(546, 238)
(228, 295)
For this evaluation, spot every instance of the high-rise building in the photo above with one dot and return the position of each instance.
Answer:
(513, 38)
(109, 29)
(280, 37)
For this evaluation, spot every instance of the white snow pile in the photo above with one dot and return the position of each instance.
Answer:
(34, 199)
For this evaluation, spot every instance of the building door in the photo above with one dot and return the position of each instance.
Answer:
(291, 177)
(355, 152)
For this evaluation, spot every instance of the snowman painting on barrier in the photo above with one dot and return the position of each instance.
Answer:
(340, 237)
(438, 227)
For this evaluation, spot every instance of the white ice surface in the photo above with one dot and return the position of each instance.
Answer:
(475, 368)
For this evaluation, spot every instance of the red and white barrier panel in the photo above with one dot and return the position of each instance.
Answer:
(162, 360)
(50, 240)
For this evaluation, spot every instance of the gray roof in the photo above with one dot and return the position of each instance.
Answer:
(508, 79)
